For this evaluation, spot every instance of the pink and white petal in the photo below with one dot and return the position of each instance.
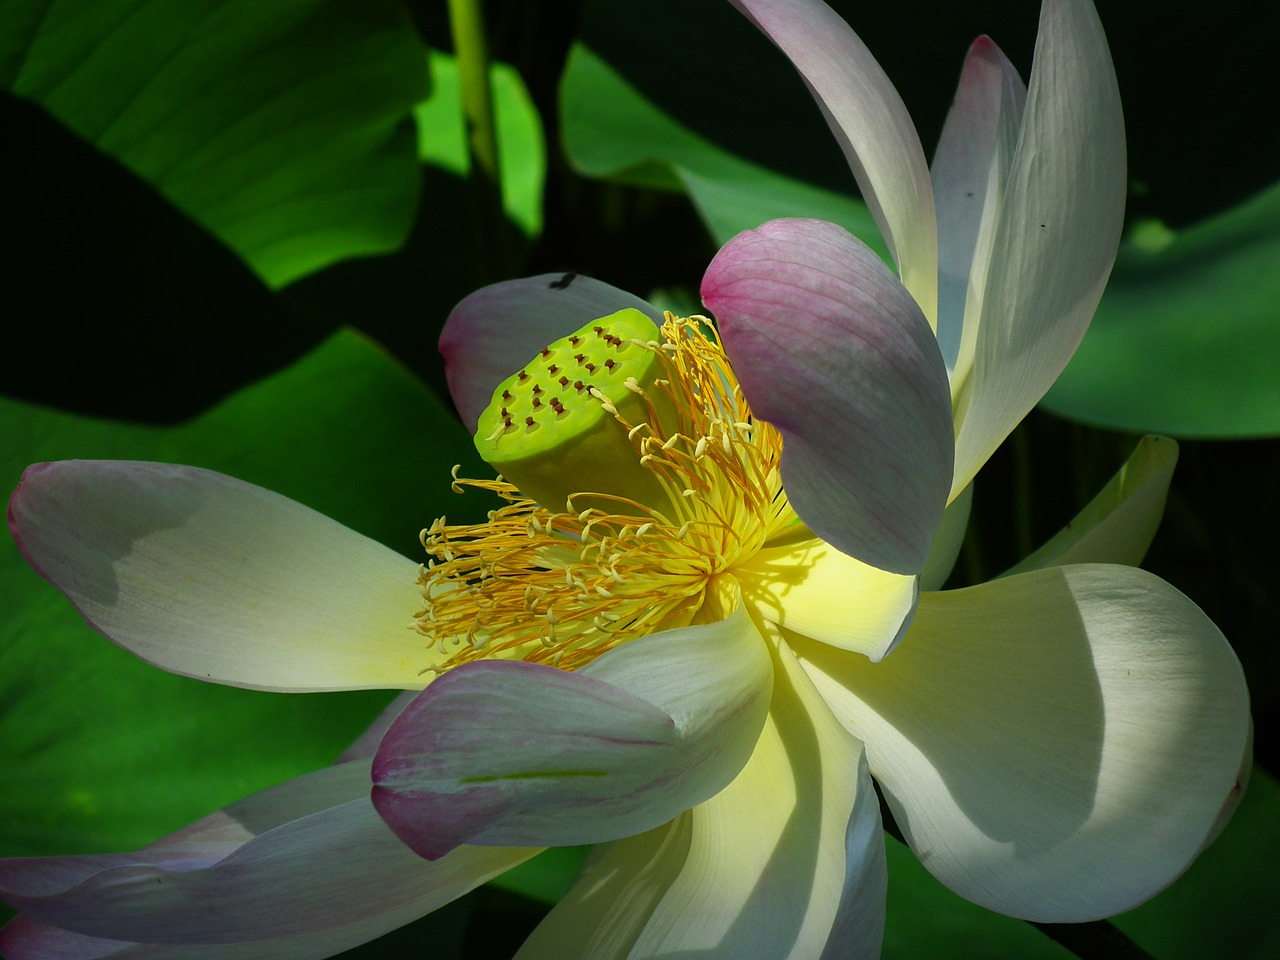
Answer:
(495, 331)
(832, 350)
(303, 858)
(214, 578)
(786, 861)
(1056, 745)
(1056, 232)
(813, 589)
(1118, 525)
(871, 124)
(969, 169)
(521, 753)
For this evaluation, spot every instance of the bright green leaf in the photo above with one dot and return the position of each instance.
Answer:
(522, 154)
(283, 128)
(644, 105)
(1187, 338)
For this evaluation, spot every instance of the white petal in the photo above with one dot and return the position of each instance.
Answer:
(948, 541)
(813, 589)
(969, 170)
(615, 895)
(210, 577)
(872, 126)
(1055, 745)
(789, 852)
(1055, 235)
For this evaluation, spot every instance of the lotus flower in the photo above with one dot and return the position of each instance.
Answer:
(678, 644)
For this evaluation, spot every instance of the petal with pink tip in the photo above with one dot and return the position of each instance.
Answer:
(514, 752)
(305, 858)
(969, 170)
(1055, 234)
(786, 861)
(210, 577)
(832, 350)
(871, 124)
(495, 331)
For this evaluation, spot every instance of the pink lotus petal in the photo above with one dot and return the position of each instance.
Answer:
(512, 753)
(495, 331)
(786, 861)
(831, 349)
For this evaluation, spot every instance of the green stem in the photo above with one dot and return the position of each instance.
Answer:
(466, 21)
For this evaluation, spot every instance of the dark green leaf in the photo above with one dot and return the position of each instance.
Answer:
(1187, 338)
(283, 128)
(633, 117)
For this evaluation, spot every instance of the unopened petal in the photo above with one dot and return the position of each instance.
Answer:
(833, 351)
(210, 577)
(969, 170)
(521, 753)
(495, 331)
(871, 124)
(1056, 745)
(787, 861)
(307, 857)
(1055, 235)
(813, 589)
(1117, 525)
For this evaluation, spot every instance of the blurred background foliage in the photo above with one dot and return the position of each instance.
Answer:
(234, 229)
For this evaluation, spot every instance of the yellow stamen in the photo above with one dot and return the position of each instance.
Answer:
(562, 586)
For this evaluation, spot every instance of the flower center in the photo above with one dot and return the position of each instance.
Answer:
(632, 489)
